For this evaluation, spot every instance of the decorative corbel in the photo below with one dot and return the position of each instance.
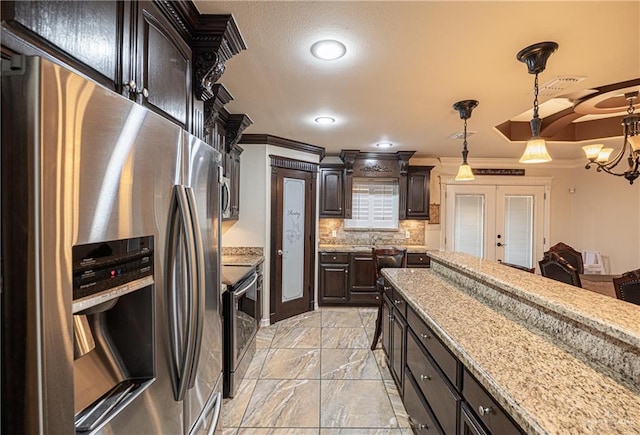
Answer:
(234, 127)
(220, 97)
(208, 68)
(349, 158)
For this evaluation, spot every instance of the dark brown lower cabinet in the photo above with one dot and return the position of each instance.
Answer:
(433, 385)
(420, 416)
(468, 423)
(439, 393)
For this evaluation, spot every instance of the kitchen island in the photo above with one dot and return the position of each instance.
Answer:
(555, 358)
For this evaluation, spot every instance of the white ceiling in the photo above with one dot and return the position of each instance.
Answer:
(407, 63)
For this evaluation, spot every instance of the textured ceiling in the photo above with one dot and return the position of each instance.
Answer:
(408, 62)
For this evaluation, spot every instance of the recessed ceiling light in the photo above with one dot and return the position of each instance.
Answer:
(328, 49)
(324, 120)
(384, 145)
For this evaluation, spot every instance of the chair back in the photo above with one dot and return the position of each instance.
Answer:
(628, 287)
(557, 268)
(572, 256)
(388, 258)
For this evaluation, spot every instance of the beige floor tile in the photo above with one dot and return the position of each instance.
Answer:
(382, 362)
(349, 364)
(234, 409)
(361, 431)
(396, 403)
(297, 338)
(229, 431)
(253, 372)
(310, 319)
(283, 431)
(291, 364)
(264, 336)
(284, 403)
(344, 338)
(341, 318)
(355, 404)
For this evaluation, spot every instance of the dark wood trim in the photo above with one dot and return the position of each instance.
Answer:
(220, 97)
(267, 139)
(288, 163)
(235, 125)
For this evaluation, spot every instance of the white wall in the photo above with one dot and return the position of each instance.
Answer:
(603, 213)
(253, 228)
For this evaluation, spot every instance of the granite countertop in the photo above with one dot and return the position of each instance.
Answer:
(413, 249)
(251, 260)
(546, 386)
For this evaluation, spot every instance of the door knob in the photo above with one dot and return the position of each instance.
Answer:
(501, 244)
(279, 251)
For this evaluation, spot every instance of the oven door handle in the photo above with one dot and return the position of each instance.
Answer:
(245, 288)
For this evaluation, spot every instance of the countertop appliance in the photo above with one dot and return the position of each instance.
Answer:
(111, 304)
(241, 307)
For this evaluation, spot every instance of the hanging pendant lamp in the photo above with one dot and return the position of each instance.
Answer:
(535, 57)
(464, 108)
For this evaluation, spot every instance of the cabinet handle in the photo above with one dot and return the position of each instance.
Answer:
(425, 377)
(425, 336)
(133, 87)
(484, 410)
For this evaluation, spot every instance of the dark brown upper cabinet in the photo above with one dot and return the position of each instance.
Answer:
(332, 191)
(163, 69)
(91, 37)
(418, 192)
(162, 54)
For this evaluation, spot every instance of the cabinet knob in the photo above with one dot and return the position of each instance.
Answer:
(409, 209)
(420, 258)
(397, 301)
(425, 336)
(391, 317)
(334, 258)
(346, 271)
(339, 208)
(133, 87)
(425, 377)
(484, 410)
(421, 426)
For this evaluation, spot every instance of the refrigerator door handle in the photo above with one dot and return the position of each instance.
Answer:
(200, 289)
(181, 362)
(216, 414)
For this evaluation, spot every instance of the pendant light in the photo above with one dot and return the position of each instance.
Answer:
(464, 108)
(535, 56)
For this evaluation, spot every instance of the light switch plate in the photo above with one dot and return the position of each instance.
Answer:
(407, 235)
(334, 233)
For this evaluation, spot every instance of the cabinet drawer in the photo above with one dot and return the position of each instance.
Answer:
(485, 408)
(418, 260)
(420, 416)
(365, 298)
(447, 362)
(334, 257)
(435, 388)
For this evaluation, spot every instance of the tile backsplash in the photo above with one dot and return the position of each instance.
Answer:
(364, 238)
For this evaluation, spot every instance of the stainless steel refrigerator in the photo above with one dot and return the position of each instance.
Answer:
(111, 305)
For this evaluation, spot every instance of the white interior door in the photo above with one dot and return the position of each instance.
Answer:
(505, 223)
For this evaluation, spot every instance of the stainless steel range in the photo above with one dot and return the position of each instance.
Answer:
(240, 321)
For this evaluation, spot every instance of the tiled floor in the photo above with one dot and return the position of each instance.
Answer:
(314, 374)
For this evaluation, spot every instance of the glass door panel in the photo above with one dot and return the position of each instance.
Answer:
(293, 239)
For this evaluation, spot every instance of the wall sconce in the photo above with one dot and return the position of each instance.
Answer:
(600, 156)
(464, 108)
(535, 57)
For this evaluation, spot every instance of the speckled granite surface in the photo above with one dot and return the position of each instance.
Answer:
(547, 387)
(242, 256)
(417, 249)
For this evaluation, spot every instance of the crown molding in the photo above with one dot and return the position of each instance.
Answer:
(267, 139)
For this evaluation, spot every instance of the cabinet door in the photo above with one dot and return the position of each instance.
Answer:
(91, 36)
(333, 283)
(163, 66)
(468, 423)
(420, 417)
(386, 326)
(331, 193)
(399, 332)
(418, 192)
(234, 176)
(362, 279)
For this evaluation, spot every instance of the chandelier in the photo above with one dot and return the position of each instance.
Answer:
(535, 57)
(464, 108)
(599, 156)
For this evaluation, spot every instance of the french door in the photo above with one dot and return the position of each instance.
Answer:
(500, 223)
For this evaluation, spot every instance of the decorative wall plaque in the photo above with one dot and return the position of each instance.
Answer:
(495, 171)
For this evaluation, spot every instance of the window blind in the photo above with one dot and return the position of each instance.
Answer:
(375, 203)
